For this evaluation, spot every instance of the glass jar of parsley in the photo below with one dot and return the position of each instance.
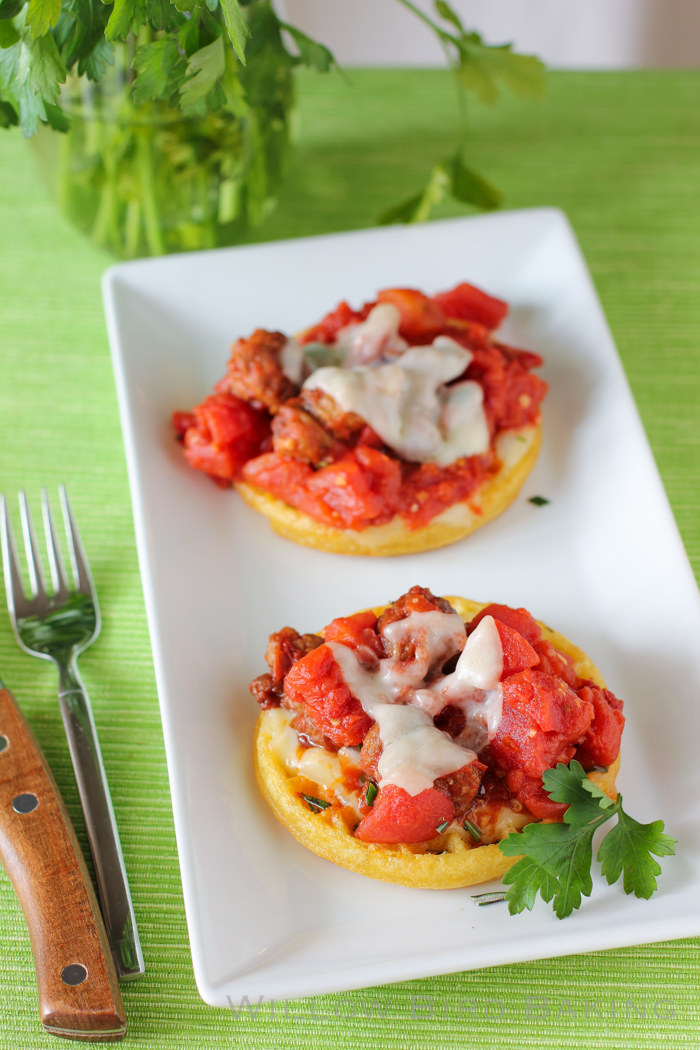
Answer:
(145, 179)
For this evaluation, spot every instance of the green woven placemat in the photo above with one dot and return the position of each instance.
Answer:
(620, 153)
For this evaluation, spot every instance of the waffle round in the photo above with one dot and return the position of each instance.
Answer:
(446, 862)
(517, 451)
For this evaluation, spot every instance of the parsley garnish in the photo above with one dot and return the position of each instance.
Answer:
(442, 826)
(473, 830)
(557, 857)
(371, 792)
(538, 501)
(316, 804)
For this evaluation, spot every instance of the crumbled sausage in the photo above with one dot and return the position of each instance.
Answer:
(264, 692)
(255, 371)
(297, 434)
(461, 787)
(342, 425)
(284, 648)
(418, 599)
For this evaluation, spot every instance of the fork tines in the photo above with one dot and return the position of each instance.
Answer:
(81, 582)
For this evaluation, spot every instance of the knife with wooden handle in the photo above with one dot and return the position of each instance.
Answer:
(79, 994)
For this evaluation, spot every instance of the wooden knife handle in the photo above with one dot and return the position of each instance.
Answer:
(78, 990)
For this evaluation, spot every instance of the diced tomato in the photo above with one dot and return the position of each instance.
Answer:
(362, 488)
(469, 303)
(400, 817)
(530, 791)
(428, 489)
(543, 719)
(357, 490)
(327, 329)
(523, 393)
(549, 702)
(518, 654)
(182, 421)
(316, 686)
(421, 318)
(218, 463)
(553, 661)
(224, 432)
(355, 631)
(519, 619)
(601, 744)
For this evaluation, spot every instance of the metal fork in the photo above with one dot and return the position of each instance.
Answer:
(59, 626)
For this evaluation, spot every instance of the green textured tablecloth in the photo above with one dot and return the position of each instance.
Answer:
(620, 153)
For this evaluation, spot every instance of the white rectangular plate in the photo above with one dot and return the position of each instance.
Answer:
(602, 562)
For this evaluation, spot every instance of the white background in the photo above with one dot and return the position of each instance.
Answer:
(577, 34)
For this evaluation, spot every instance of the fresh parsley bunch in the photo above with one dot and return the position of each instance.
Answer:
(556, 858)
(208, 56)
(189, 53)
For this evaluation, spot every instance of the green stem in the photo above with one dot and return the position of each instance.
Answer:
(445, 39)
(441, 33)
(154, 235)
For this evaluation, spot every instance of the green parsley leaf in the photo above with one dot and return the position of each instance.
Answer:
(570, 785)
(8, 117)
(528, 878)
(204, 68)
(628, 847)
(418, 208)
(94, 63)
(371, 792)
(236, 26)
(469, 187)
(8, 35)
(46, 69)
(157, 65)
(41, 15)
(484, 68)
(127, 16)
(565, 852)
(555, 859)
(57, 118)
(10, 8)
(311, 53)
(538, 501)
(446, 12)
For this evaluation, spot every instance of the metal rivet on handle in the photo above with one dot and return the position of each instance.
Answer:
(4, 742)
(73, 974)
(25, 803)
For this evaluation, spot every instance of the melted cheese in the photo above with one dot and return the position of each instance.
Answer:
(403, 696)
(409, 405)
(415, 753)
(293, 362)
(376, 337)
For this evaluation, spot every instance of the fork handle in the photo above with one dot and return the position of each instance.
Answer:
(101, 826)
(41, 855)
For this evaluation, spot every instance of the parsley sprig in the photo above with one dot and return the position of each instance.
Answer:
(557, 858)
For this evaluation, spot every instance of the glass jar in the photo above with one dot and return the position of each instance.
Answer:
(145, 180)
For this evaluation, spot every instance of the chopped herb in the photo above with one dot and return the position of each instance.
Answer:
(371, 792)
(538, 501)
(488, 898)
(520, 437)
(316, 804)
(473, 830)
(555, 859)
(442, 826)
